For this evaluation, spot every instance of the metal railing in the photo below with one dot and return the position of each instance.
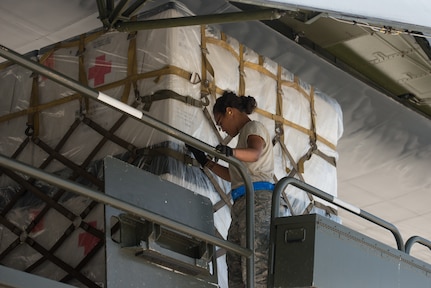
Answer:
(417, 239)
(284, 182)
(158, 125)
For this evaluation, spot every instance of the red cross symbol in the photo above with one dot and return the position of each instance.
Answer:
(99, 71)
(40, 225)
(87, 240)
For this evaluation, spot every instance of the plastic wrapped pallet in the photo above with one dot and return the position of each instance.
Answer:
(49, 126)
(55, 245)
(306, 121)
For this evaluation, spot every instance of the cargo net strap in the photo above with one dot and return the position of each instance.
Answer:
(39, 207)
(298, 167)
(259, 67)
(169, 94)
(80, 219)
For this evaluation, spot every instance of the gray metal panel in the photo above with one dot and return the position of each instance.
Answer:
(312, 251)
(149, 191)
(154, 194)
(11, 278)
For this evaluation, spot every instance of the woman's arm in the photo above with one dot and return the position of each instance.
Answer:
(219, 170)
(255, 145)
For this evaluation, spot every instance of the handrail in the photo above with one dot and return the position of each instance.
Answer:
(154, 123)
(117, 203)
(417, 239)
(284, 182)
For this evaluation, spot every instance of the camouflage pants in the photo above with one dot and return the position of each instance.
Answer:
(237, 265)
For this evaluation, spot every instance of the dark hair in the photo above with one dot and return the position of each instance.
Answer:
(244, 104)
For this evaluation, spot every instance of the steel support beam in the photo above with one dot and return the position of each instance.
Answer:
(266, 14)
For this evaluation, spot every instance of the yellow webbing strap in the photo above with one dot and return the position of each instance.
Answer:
(207, 87)
(313, 141)
(212, 125)
(280, 83)
(226, 140)
(279, 129)
(279, 105)
(279, 132)
(293, 125)
(313, 117)
(33, 118)
(168, 70)
(83, 39)
(299, 88)
(225, 197)
(312, 150)
(46, 56)
(261, 60)
(282, 120)
(222, 43)
(302, 160)
(241, 88)
(169, 94)
(294, 172)
(329, 159)
(131, 67)
(289, 156)
(37, 108)
(290, 84)
(260, 68)
(84, 106)
(312, 135)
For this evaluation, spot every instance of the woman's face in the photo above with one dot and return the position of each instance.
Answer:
(226, 122)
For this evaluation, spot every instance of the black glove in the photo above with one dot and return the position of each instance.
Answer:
(200, 156)
(226, 150)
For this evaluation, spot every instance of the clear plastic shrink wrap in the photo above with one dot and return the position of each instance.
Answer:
(53, 128)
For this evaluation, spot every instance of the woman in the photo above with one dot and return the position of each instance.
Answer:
(254, 149)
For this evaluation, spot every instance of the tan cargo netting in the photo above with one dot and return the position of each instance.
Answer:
(56, 234)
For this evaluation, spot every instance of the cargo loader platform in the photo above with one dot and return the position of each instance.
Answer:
(314, 251)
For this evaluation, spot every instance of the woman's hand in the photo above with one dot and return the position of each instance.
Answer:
(200, 156)
(226, 150)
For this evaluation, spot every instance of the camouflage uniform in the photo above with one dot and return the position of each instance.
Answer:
(261, 170)
(237, 267)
